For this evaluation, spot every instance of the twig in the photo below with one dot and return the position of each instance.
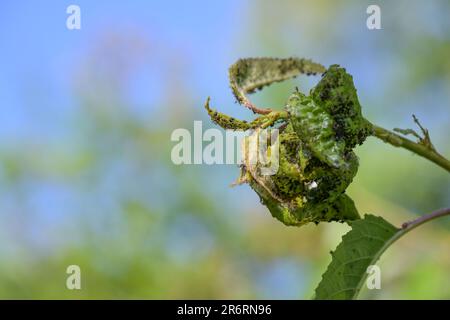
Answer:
(418, 148)
(428, 217)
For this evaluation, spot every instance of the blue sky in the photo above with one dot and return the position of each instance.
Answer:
(39, 53)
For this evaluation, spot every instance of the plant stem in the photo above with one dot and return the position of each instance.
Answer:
(408, 226)
(420, 149)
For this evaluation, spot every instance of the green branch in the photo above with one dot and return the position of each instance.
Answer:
(418, 148)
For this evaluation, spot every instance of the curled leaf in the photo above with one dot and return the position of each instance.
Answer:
(316, 158)
(231, 123)
(248, 75)
(304, 189)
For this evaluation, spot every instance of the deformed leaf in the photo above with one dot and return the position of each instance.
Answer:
(316, 162)
(316, 127)
(226, 121)
(360, 247)
(231, 123)
(248, 75)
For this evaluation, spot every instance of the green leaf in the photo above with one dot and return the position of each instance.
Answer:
(360, 247)
(248, 75)
(316, 127)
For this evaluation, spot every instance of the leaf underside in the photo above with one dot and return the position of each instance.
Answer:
(360, 247)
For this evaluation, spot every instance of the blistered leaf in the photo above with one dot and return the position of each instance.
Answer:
(316, 127)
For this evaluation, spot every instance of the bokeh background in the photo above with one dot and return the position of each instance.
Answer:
(85, 171)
